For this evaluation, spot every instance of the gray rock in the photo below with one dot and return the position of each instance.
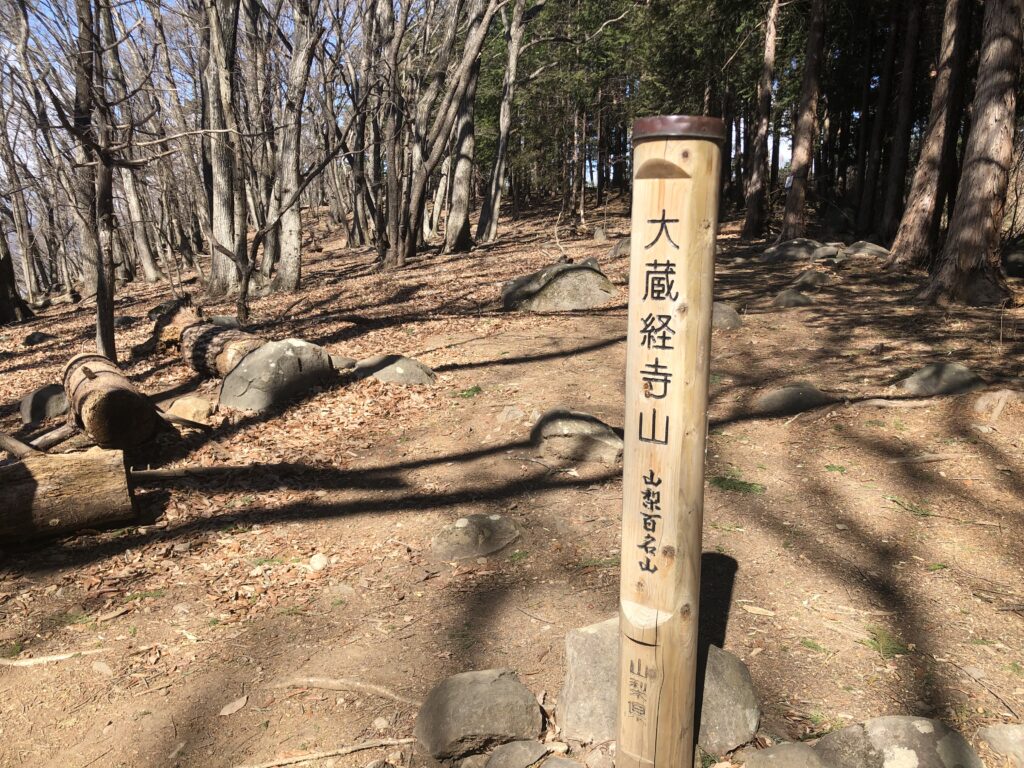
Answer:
(124, 321)
(1013, 263)
(599, 758)
(790, 298)
(342, 363)
(795, 398)
(192, 407)
(587, 704)
(559, 288)
(561, 762)
(893, 742)
(395, 369)
(864, 248)
(474, 536)
(940, 379)
(225, 321)
(577, 436)
(37, 337)
(474, 761)
(473, 711)
(621, 248)
(825, 252)
(1006, 741)
(517, 754)
(276, 372)
(812, 278)
(44, 403)
(800, 249)
(786, 756)
(724, 317)
(730, 711)
(600, 234)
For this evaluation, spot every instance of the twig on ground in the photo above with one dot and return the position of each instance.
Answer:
(48, 440)
(309, 757)
(882, 402)
(925, 458)
(347, 684)
(988, 688)
(541, 619)
(48, 659)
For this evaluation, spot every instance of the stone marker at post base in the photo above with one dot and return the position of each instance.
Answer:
(517, 754)
(786, 756)
(560, 288)
(676, 164)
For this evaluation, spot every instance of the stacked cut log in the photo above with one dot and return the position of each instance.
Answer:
(213, 350)
(106, 405)
(53, 494)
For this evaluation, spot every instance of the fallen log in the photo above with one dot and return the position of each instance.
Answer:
(106, 405)
(53, 494)
(213, 350)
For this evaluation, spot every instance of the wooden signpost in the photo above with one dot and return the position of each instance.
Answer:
(676, 164)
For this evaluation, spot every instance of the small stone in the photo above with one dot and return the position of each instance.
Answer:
(795, 398)
(381, 724)
(37, 337)
(517, 754)
(600, 235)
(102, 668)
(790, 298)
(395, 369)
(940, 379)
(621, 249)
(561, 762)
(342, 363)
(812, 278)
(825, 252)
(319, 561)
(892, 742)
(577, 436)
(192, 407)
(1006, 741)
(43, 403)
(474, 536)
(472, 711)
(561, 287)
(724, 317)
(786, 756)
(730, 712)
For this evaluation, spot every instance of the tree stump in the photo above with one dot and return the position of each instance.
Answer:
(106, 405)
(53, 494)
(214, 351)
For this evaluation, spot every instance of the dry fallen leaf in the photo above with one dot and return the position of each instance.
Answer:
(757, 611)
(234, 706)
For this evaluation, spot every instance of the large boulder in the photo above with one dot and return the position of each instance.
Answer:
(790, 298)
(724, 317)
(800, 249)
(885, 742)
(474, 711)
(790, 755)
(795, 398)
(43, 403)
(812, 278)
(730, 712)
(940, 379)
(1007, 741)
(275, 373)
(864, 248)
(577, 436)
(559, 288)
(474, 536)
(395, 369)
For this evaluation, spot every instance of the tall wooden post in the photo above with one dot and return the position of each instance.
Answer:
(676, 179)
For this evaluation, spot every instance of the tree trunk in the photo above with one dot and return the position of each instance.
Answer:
(794, 222)
(49, 495)
(969, 267)
(773, 184)
(487, 227)
(457, 235)
(917, 234)
(904, 122)
(106, 405)
(753, 225)
(213, 351)
(13, 309)
(873, 165)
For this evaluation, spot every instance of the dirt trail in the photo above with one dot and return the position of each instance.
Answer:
(860, 584)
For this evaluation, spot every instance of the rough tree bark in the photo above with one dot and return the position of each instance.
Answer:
(969, 268)
(213, 350)
(794, 222)
(893, 205)
(457, 234)
(106, 405)
(914, 240)
(13, 309)
(753, 224)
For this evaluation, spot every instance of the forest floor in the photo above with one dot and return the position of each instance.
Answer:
(853, 582)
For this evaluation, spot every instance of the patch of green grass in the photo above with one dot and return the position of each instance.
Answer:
(917, 510)
(598, 562)
(10, 650)
(1017, 668)
(933, 567)
(706, 760)
(716, 379)
(518, 556)
(76, 617)
(875, 423)
(338, 602)
(736, 485)
(981, 641)
(836, 468)
(267, 561)
(885, 643)
(292, 610)
(214, 621)
(812, 645)
(471, 392)
(899, 426)
(144, 594)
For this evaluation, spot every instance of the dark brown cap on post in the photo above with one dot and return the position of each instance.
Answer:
(678, 127)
